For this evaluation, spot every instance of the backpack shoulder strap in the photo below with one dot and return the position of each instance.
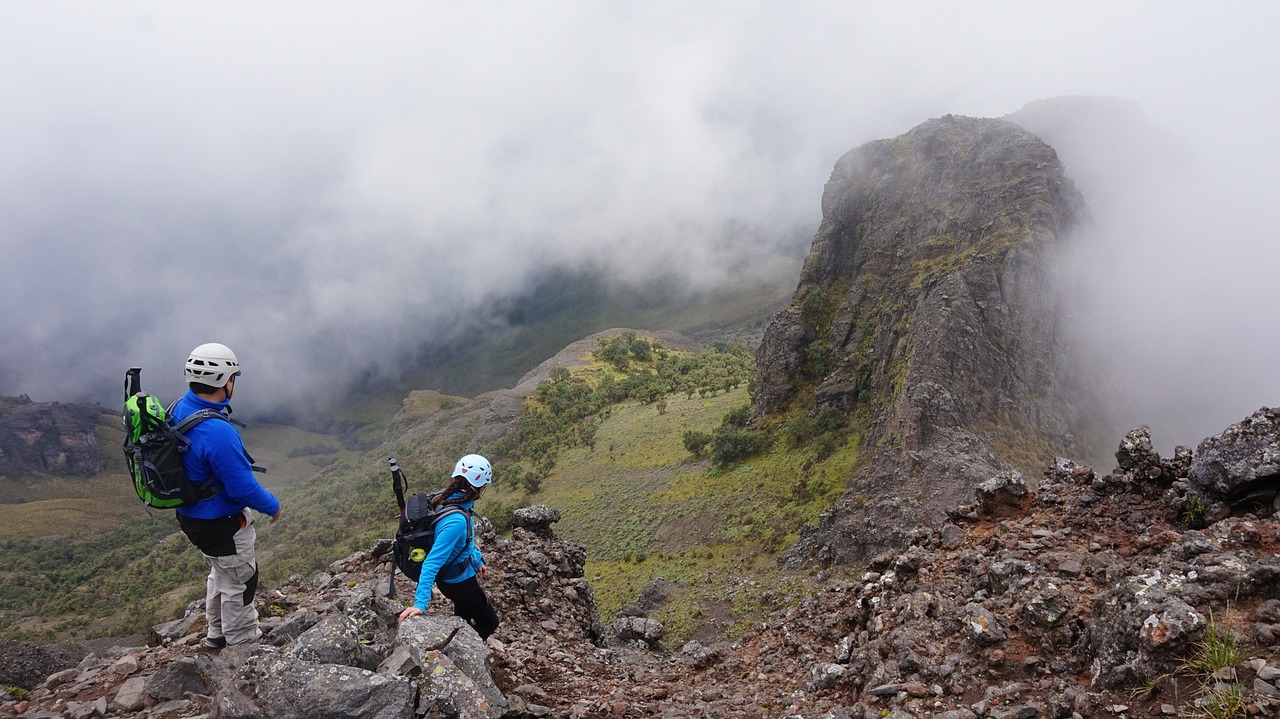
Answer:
(199, 416)
(455, 509)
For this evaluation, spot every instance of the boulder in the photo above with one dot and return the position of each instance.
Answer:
(1241, 465)
(287, 687)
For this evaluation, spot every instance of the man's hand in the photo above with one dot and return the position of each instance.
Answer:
(408, 612)
(274, 517)
(481, 571)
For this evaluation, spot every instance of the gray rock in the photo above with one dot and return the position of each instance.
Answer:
(644, 629)
(403, 660)
(1244, 457)
(292, 626)
(187, 674)
(162, 634)
(1139, 628)
(824, 676)
(334, 640)
(1005, 494)
(537, 518)
(124, 666)
(131, 696)
(951, 536)
(983, 626)
(231, 703)
(455, 666)
(1137, 455)
(1265, 689)
(286, 687)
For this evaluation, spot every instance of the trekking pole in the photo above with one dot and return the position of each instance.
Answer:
(391, 583)
(398, 484)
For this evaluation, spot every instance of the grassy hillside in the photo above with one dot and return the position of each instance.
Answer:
(647, 510)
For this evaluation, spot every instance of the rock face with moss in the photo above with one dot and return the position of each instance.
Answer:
(926, 313)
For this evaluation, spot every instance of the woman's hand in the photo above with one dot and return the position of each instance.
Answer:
(409, 612)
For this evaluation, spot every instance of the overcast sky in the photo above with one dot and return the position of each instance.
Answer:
(322, 185)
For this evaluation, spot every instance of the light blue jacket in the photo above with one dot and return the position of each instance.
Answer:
(218, 451)
(450, 543)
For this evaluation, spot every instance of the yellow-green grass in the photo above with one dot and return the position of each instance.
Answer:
(70, 517)
(716, 582)
(58, 506)
(645, 508)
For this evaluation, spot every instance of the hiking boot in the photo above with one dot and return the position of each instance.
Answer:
(214, 643)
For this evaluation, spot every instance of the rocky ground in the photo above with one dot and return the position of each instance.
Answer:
(1138, 592)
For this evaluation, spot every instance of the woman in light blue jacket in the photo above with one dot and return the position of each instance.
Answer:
(455, 564)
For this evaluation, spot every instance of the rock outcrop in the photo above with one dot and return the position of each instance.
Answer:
(926, 313)
(48, 437)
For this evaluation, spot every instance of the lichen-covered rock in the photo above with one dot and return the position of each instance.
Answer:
(286, 687)
(1141, 628)
(455, 667)
(1003, 495)
(1137, 455)
(1241, 466)
(334, 640)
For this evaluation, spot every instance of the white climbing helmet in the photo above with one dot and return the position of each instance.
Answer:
(212, 364)
(475, 469)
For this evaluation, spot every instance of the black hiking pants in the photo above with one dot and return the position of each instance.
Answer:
(472, 604)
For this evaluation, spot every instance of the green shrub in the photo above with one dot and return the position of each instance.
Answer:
(696, 442)
(729, 446)
(739, 417)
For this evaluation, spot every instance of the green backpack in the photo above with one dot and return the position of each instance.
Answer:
(153, 448)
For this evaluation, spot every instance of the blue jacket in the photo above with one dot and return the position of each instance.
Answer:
(217, 451)
(450, 543)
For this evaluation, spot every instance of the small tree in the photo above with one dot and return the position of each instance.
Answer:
(696, 442)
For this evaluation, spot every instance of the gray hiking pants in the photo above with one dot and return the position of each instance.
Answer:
(233, 580)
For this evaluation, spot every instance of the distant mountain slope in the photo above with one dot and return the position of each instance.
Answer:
(927, 313)
(566, 306)
(49, 437)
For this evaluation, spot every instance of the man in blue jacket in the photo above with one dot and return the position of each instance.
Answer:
(221, 526)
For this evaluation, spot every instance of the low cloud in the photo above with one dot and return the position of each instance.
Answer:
(325, 191)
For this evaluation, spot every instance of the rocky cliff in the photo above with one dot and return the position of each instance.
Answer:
(927, 314)
(48, 437)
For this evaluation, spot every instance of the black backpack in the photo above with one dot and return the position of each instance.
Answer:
(153, 448)
(416, 530)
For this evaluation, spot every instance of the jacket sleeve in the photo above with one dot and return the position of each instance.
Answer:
(450, 532)
(230, 463)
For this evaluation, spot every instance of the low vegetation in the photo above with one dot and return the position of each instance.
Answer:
(1212, 667)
